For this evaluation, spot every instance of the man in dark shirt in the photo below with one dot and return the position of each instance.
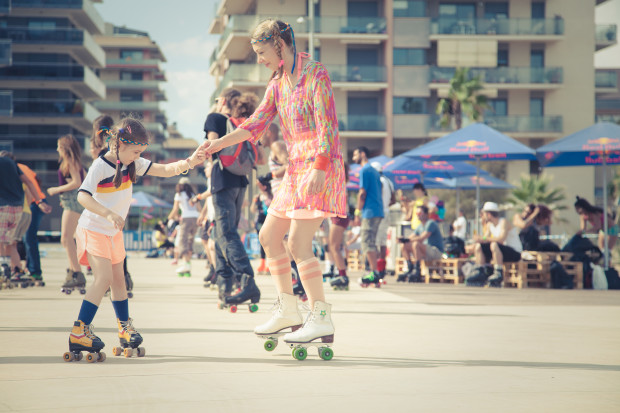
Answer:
(228, 192)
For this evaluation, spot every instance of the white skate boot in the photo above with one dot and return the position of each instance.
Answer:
(317, 331)
(286, 315)
(184, 270)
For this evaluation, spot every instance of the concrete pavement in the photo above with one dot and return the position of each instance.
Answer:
(401, 348)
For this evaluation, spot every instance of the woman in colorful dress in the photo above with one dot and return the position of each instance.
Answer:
(313, 187)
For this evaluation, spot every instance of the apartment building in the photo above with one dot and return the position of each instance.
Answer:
(48, 80)
(391, 60)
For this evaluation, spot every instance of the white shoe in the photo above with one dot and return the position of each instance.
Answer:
(318, 325)
(284, 316)
(183, 268)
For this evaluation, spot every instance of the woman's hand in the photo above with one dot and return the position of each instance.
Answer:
(52, 191)
(316, 182)
(213, 146)
(116, 219)
(198, 156)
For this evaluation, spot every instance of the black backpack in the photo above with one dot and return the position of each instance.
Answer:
(560, 279)
(530, 238)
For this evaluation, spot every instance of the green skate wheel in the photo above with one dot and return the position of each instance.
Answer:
(300, 353)
(253, 308)
(326, 353)
(270, 345)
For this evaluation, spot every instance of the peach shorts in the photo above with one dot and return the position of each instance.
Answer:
(99, 245)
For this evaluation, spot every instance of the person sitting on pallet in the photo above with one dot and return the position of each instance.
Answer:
(499, 243)
(426, 243)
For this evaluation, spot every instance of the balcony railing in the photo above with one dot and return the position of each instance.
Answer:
(361, 123)
(606, 33)
(139, 105)
(50, 107)
(51, 4)
(132, 62)
(42, 71)
(514, 124)
(518, 75)
(606, 79)
(42, 35)
(522, 26)
(356, 73)
(133, 84)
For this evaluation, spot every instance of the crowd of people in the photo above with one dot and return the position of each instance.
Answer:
(303, 194)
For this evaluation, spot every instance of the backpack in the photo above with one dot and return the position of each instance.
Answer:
(560, 279)
(237, 159)
(530, 237)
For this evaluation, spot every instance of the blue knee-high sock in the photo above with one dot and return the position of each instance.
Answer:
(121, 308)
(87, 312)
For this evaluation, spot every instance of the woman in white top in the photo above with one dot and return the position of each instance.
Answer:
(500, 243)
(188, 227)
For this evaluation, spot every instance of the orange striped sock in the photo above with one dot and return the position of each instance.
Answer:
(280, 265)
(309, 268)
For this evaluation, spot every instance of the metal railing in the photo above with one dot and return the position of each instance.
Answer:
(361, 123)
(504, 75)
(43, 35)
(49, 107)
(606, 33)
(356, 73)
(132, 62)
(515, 123)
(501, 26)
(35, 70)
(606, 78)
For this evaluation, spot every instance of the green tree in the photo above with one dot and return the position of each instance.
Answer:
(536, 190)
(464, 98)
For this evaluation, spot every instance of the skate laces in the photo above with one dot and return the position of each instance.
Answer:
(88, 331)
(128, 326)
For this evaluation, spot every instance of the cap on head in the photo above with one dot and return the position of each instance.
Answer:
(490, 207)
(184, 180)
(377, 166)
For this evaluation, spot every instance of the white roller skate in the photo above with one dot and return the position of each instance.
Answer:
(285, 315)
(317, 331)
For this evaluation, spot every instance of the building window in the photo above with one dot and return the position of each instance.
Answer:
(409, 106)
(537, 58)
(498, 107)
(537, 107)
(502, 58)
(409, 57)
(131, 96)
(457, 11)
(538, 10)
(409, 8)
(495, 10)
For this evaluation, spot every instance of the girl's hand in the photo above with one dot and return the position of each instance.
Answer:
(213, 146)
(116, 219)
(52, 191)
(316, 182)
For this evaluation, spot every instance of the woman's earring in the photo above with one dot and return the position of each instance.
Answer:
(281, 63)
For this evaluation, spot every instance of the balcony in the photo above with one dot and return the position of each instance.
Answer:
(6, 55)
(365, 126)
(123, 106)
(606, 35)
(156, 128)
(502, 29)
(76, 113)
(133, 84)
(234, 41)
(504, 77)
(606, 81)
(516, 126)
(81, 12)
(76, 42)
(79, 79)
(357, 77)
(132, 63)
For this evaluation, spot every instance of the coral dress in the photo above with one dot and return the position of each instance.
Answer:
(309, 128)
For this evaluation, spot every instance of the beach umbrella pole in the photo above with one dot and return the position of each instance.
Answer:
(605, 223)
(477, 212)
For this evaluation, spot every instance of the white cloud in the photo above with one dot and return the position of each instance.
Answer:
(189, 94)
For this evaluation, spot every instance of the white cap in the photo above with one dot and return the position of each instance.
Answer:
(377, 166)
(490, 207)
(184, 180)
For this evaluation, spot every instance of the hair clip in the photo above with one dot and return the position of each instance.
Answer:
(118, 161)
(129, 129)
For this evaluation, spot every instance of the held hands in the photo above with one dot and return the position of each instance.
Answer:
(116, 219)
(198, 156)
(213, 146)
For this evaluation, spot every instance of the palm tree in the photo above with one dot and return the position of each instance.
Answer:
(463, 99)
(535, 190)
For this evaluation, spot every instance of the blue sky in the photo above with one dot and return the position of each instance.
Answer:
(182, 34)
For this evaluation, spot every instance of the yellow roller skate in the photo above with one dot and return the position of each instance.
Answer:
(81, 339)
(130, 340)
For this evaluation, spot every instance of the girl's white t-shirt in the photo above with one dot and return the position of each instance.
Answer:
(187, 210)
(99, 183)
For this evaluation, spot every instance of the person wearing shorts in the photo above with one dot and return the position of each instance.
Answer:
(426, 242)
(189, 222)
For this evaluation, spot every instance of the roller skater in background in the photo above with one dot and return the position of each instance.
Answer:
(313, 187)
(336, 239)
(388, 198)
(370, 212)
(12, 200)
(188, 227)
(106, 195)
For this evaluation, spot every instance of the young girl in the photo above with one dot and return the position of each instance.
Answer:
(314, 185)
(70, 177)
(106, 195)
(188, 227)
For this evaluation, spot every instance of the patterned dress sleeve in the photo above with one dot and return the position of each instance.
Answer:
(262, 117)
(325, 117)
